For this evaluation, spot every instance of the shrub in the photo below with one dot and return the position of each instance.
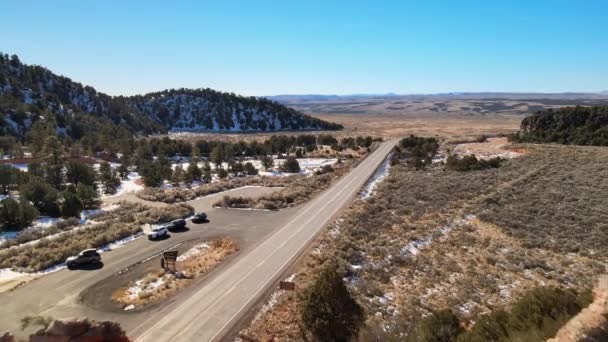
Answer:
(536, 316)
(290, 165)
(440, 326)
(470, 162)
(16, 215)
(328, 311)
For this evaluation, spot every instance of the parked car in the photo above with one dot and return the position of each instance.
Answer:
(158, 232)
(199, 218)
(88, 256)
(177, 224)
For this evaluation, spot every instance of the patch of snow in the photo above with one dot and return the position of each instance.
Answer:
(378, 176)
(196, 250)
(119, 243)
(128, 185)
(414, 247)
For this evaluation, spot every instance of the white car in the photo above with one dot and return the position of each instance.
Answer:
(158, 232)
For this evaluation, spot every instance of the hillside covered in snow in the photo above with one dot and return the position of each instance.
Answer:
(30, 93)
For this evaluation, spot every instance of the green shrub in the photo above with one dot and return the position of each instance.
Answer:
(441, 326)
(327, 310)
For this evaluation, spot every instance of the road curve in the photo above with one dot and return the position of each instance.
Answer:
(213, 310)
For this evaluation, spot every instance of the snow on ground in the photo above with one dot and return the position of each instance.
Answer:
(8, 274)
(196, 250)
(128, 185)
(146, 285)
(414, 247)
(378, 176)
(493, 147)
(308, 165)
(119, 243)
(274, 299)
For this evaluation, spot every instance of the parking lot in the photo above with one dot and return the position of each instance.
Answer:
(82, 292)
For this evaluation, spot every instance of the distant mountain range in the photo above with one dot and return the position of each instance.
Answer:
(289, 99)
(30, 93)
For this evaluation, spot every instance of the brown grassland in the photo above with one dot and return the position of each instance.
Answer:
(471, 242)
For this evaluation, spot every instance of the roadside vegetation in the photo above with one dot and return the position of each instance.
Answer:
(296, 190)
(159, 285)
(109, 227)
(516, 248)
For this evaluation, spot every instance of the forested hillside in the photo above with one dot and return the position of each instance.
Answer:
(569, 125)
(30, 94)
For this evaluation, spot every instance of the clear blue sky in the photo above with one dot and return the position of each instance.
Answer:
(319, 47)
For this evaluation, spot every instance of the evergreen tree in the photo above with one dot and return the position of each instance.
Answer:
(42, 195)
(178, 174)
(236, 168)
(328, 311)
(16, 215)
(123, 171)
(88, 196)
(152, 175)
(290, 165)
(217, 156)
(77, 173)
(54, 167)
(250, 169)
(108, 178)
(267, 162)
(10, 178)
(194, 172)
(71, 205)
(222, 173)
(207, 178)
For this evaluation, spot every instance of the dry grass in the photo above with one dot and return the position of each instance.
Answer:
(478, 264)
(448, 126)
(192, 267)
(297, 190)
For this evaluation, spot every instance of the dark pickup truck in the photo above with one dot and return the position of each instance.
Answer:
(199, 218)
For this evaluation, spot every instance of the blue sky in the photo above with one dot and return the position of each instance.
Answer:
(315, 47)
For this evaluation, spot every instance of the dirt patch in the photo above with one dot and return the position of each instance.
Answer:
(491, 148)
(158, 285)
(591, 319)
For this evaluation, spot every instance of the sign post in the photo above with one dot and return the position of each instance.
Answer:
(290, 286)
(168, 261)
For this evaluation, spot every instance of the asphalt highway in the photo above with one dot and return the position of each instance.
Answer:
(210, 312)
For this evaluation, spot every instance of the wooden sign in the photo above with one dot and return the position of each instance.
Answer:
(168, 261)
(287, 285)
(170, 256)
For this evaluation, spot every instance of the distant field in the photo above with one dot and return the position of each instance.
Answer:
(449, 116)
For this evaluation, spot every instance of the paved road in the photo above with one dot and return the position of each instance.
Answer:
(211, 311)
(57, 294)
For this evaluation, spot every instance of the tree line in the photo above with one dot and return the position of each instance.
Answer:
(569, 125)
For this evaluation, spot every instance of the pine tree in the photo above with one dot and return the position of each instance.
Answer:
(328, 311)
(250, 169)
(42, 195)
(108, 178)
(222, 173)
(16, 215)
(88, 196)
(71, 206)
(178, 174)
(267, 162)
(194, 172)
(290, 165)
(77, 173)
